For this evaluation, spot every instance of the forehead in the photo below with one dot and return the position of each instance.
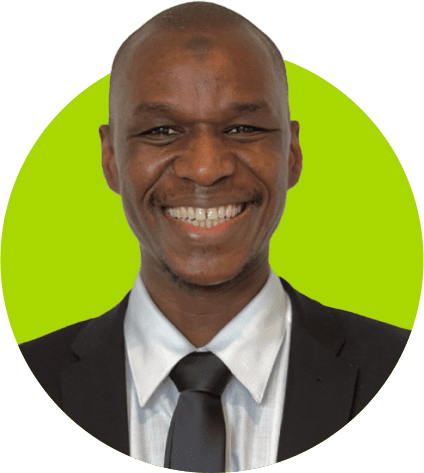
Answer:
(230, 64)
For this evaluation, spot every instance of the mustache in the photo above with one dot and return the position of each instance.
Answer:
(162, 197)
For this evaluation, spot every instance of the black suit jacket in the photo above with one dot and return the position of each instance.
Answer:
(338, 362)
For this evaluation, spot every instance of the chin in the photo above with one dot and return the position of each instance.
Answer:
(202, 281)
(209, 279)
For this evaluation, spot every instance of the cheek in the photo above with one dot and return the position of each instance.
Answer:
(273, 173)
(269, 163)
(146, 162)
(277, 168)
(133, 181)
(138, 171)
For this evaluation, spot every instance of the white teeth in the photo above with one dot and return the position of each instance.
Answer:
(208, 218)
(201, 214)
(212, 214)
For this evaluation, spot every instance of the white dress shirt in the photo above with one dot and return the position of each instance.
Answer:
(254, 346)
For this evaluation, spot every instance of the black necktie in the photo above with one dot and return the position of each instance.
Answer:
(196, 437)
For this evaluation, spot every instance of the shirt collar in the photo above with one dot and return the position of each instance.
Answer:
(248, 344)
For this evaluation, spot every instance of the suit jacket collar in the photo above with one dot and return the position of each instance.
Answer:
(320, 385)
(319, 389)
(94, 389)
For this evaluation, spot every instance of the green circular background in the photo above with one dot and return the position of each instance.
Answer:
(370, 50)
(350, 236)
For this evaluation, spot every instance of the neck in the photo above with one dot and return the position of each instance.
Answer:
(200, 312)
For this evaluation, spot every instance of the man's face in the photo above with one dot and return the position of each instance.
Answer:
(202, 152)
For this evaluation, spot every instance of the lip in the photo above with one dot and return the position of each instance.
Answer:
(203, 233)
(205, 203)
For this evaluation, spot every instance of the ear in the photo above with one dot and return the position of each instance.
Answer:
(110, 170)
(295, 157)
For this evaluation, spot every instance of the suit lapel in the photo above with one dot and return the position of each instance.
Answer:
(94, 388)
(320, 386)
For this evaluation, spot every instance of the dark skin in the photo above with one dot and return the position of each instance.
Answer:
(199, 121)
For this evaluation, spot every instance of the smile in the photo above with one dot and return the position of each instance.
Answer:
(200, 217)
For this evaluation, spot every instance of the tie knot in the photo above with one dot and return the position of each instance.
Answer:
(201, 372)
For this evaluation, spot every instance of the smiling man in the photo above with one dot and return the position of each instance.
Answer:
(211, 363)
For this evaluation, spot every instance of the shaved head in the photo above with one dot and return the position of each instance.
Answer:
(197, 17)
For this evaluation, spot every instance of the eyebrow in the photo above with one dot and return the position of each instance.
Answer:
(234, 107)
(153, 107)
(248, 107)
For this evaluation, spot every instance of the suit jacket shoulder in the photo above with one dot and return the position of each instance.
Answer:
(51, 354)
(82, 368)
(373, 347)
(47, 356)
(338, 362)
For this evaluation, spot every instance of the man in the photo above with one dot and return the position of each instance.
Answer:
(201, 148)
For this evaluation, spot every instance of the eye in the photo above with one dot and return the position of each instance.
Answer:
(160, 131)
(242, 129)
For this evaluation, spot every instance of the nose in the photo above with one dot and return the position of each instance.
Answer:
(205, 159)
